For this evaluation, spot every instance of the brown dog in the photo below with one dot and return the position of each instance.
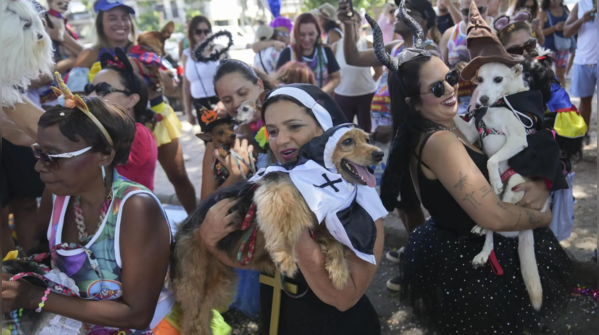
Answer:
(153, 41)
(203, 283)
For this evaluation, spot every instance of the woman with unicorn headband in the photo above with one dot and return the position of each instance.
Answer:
(103, 228)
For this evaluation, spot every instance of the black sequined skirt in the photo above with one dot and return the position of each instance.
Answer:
(449, 296)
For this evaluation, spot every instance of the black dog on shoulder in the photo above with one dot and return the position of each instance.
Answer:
(540, 76)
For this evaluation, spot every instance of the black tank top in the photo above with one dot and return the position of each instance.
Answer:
(444, 210)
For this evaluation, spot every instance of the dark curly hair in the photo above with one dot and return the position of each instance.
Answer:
(77, 126)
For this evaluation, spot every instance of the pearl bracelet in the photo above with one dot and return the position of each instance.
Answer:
(43, 303)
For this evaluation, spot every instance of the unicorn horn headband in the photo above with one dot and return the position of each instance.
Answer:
(68, 100)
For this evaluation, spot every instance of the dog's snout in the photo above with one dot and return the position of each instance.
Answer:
(232, 135)
(40, 37)
(484, 100)
(378, 155)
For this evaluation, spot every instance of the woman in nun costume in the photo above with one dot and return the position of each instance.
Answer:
(304, 124)
(449, 295)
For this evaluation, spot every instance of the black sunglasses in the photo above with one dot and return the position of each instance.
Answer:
(103, 89)
(438, 88)
(203, 31)
(466, 11)
(529, 46)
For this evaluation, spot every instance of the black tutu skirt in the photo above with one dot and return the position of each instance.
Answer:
(449, 296)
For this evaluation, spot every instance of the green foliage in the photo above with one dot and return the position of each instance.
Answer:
(149, 21)
(369, 5)
(192, 13)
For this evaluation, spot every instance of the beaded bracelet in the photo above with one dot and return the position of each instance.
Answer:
(43, 303)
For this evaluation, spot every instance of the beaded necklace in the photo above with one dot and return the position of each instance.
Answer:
(83, 235)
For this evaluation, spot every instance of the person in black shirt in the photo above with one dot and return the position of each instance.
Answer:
(447, 15)
(309, 49)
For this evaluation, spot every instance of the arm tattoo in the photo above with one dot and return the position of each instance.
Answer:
(485, 190)
(533, 219)
(470, 198)
(519, 217)
(502, 206)
(473, 167)
(462, 182)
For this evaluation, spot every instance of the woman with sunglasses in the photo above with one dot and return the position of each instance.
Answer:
(450, 175)
(102, 228)
(553, 16)
(198, 89)
(119, 84)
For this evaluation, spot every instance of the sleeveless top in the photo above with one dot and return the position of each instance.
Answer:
(445, 211)
(550, 39)
(200, 76)
(457, 51)
(105, 257)
(586, 52)
(318, 65)
(355, 81)
(381, 102)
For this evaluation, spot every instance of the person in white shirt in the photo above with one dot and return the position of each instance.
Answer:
(354, 93)
(198, 87)
(266, 59)
(583, 20)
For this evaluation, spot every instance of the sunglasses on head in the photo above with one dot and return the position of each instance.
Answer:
(438, 87)
(50, 160)
(529, 46)
(466, 11)
(202, 31)
(103, 89)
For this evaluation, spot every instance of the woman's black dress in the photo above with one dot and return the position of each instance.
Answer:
(308, 315)
(449, 296)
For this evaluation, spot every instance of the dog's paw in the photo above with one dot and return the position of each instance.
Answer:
(478, 230)
(497, 184)
(480, 260)
(285, 263)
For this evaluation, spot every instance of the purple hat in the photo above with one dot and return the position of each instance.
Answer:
(106, 5)
(282, 22)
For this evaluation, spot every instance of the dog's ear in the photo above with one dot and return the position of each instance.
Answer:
(517, 70)
(105, 58)
(168, 30)
(206, 137)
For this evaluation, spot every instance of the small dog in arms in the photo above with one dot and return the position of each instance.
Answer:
(503, 135)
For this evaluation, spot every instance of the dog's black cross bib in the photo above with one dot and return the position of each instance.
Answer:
(329, 183)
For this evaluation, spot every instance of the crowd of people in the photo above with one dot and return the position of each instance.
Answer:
(86, 139)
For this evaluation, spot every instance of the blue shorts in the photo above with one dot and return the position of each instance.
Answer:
(584, 81)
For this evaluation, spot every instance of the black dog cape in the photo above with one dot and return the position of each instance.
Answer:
(348, 210)
(541, 159)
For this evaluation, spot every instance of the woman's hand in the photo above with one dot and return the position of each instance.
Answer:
(559, 26)
(220, 109)
(343, 13)
(19, 294)
(243, 149)
(535, 194)
(217, 223)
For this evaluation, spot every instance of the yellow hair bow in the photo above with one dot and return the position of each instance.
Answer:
(11, 256)
(68, 100)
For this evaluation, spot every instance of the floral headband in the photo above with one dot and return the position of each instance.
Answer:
(68, 100)
(504, 20)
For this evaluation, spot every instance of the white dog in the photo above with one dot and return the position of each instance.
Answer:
(26, 49)
(247, 113)
(508, 137)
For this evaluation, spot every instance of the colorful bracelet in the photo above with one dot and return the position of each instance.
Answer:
(43, 303)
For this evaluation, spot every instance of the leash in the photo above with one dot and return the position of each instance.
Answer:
(250, 236)
(518, 114)
(251, 165)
